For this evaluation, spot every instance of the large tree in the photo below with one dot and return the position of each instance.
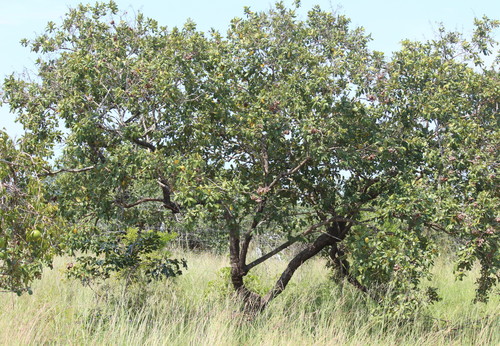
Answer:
(283, 126)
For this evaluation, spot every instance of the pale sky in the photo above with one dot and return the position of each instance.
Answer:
(388, 21)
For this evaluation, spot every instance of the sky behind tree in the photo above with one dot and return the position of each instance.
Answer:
(388, 22)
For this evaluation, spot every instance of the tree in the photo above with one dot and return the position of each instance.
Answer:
(445, 93)
(105, 86)
(283, 125)
(29, 226)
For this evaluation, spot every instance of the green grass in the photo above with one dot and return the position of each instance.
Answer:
(189, 311)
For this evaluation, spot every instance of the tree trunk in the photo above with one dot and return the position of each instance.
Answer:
(342, 267)
(253, 302)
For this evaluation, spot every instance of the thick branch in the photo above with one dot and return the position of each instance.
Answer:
(290, 242)
(343, 268)
(166, 191)
(244, 248)
(310, 251)
(234, 252)
(248, 236)
(144, 144)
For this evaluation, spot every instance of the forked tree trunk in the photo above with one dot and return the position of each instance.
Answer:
(254, 302)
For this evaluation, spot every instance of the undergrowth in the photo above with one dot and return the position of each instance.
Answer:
(198, 308)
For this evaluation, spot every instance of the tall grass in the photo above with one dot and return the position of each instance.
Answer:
(194, 310)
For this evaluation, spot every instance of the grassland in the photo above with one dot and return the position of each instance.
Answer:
(193, 310)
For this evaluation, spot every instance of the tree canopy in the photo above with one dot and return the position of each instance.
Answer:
(283, 125)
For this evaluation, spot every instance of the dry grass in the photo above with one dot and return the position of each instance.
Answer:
(189, 311)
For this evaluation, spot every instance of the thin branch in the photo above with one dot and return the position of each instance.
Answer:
(68, 170)
(143, 200)
(439, 228)
(270, 254)
(9, 162)
(289, 172)
(321, 224)
(265, 157)
(262, 203)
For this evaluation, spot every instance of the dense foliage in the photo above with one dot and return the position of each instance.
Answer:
(284, 126)
(29, 225)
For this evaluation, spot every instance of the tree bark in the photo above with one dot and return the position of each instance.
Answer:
(253, 302)
(342, 266)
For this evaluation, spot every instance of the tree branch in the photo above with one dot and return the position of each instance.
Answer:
(143, 200)
(9, 162)
(337, 256)
(310, 251)
(259, 210)
(167, 191)
(289, 172)
(144, 144)
(63, 170)
(290, 242)
(439, 228)
(269, 254)
(244, 249)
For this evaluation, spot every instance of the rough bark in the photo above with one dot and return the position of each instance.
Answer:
(251, 300)
(244, 250)
(336, 232)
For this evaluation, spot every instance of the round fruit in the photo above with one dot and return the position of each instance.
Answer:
(36, 235)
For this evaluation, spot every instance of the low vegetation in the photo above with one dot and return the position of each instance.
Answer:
(193, 309)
